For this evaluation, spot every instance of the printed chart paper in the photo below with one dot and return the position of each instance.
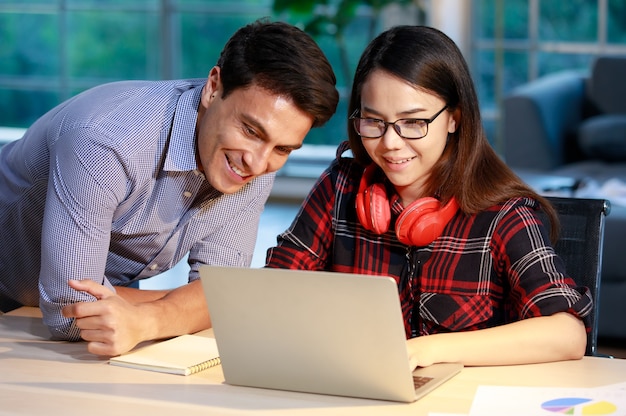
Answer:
(607, 400)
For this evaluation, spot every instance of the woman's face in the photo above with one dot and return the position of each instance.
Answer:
(406, 162)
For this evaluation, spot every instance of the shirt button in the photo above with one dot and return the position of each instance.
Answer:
(154, 266)
(187, 194)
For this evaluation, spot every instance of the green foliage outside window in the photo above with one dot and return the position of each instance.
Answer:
(327, 18)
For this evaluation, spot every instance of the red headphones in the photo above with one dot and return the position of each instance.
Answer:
(419, 224)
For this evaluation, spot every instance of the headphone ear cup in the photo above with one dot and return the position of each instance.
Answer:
(423, 221)
(372, 205)
(377, 208)
(360, 211)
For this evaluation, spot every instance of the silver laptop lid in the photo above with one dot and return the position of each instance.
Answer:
(317, 332)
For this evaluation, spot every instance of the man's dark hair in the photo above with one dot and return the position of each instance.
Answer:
(284, 60)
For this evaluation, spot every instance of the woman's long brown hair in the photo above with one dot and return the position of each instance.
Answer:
(469, 168)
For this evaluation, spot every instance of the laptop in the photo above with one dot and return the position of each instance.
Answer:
(315, 332)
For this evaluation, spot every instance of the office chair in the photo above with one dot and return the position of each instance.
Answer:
(580, 246)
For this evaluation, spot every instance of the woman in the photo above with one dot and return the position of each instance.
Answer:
(427, 201)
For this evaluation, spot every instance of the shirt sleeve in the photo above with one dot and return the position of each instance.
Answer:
(306, 244)
(87, 181)
(539, 282)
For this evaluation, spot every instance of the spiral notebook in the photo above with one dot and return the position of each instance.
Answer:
(184, 355)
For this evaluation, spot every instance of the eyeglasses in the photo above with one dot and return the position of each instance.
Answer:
(407, 128)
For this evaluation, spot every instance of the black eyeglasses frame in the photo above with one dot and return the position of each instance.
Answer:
(426, 121)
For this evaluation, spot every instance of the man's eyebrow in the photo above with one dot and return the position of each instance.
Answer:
(262, 132)
(254, 123)
(293, 147)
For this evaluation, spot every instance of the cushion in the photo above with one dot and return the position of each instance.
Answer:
(607, 87)
(604, 137)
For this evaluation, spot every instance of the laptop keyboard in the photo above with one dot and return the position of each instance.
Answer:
(419, 381)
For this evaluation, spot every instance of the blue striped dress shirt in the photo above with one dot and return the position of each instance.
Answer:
(105, 187)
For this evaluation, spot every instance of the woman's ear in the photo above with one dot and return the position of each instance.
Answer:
(454, 121)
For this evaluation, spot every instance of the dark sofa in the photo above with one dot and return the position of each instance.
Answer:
(573, 124)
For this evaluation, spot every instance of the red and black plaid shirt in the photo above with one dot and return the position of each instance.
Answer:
(485, 270)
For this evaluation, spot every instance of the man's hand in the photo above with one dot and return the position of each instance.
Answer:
(108, 324)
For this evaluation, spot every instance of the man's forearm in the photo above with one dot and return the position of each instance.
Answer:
(133, 295)
(181, 311)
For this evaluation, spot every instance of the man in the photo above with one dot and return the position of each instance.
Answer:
(122, 181)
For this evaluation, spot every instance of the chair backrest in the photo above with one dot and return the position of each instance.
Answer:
(580, 246)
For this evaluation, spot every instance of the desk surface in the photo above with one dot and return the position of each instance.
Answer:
(38, 375)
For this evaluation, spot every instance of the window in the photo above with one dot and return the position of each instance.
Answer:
(515, 41)
(54, 49)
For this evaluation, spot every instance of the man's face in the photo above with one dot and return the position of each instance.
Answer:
(249, 133)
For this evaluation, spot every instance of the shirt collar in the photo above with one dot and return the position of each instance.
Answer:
(181, 152)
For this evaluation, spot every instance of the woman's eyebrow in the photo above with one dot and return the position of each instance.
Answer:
(408, 112)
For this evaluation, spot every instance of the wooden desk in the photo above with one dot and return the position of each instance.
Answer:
(42, 376)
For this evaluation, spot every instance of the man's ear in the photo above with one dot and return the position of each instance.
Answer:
(213, 86)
